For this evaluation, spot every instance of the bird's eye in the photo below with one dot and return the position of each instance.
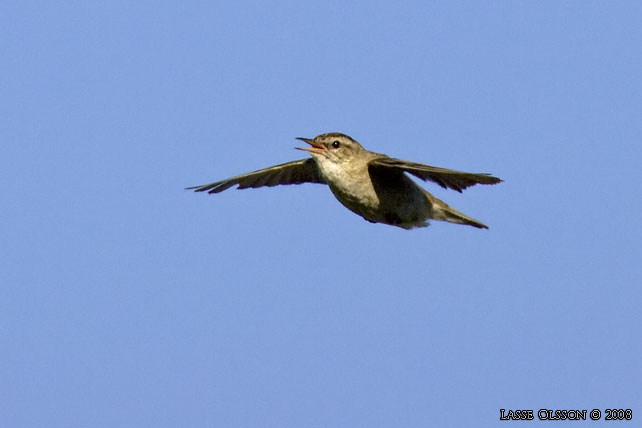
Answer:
(336, 144)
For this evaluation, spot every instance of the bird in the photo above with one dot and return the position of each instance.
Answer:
(373, 185)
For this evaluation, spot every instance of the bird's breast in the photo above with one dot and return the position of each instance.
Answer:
(352, 187)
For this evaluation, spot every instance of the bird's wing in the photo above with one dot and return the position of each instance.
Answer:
(446, 178)
(295, 172)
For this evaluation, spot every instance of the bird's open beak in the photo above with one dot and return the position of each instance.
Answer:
(316, 147)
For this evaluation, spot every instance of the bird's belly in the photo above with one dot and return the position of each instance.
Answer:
(406, 208)
(363, 202)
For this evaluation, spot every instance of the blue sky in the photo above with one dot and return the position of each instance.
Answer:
(127, 301)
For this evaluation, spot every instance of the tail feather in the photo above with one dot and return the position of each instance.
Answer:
(444, 212)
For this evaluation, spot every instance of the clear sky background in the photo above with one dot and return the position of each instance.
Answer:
(126, 301)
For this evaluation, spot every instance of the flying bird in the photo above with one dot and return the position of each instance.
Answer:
(372, 185)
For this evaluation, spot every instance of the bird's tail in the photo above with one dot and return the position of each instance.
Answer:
(444, 212)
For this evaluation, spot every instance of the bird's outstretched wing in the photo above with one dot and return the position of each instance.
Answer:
(446, 178)
(295, 172)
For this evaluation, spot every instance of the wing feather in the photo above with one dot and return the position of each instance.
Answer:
(446, 178)
(295, 172)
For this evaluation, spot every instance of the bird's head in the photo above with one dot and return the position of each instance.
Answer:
(332, 147)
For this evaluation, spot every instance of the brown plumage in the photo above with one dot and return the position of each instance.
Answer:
(373, 185)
